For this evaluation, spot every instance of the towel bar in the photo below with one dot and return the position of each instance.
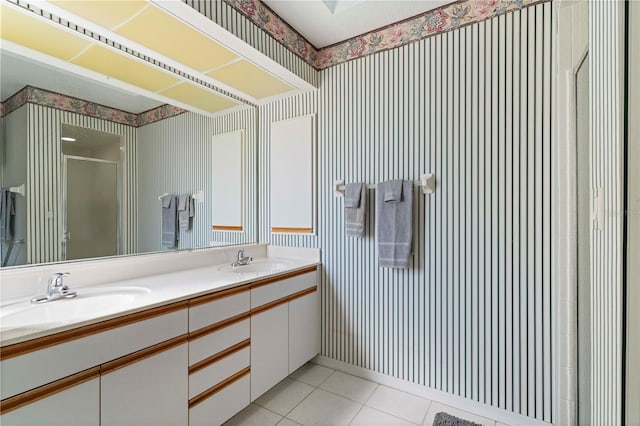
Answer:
(18, 189)
(427, 183)
(198, 196)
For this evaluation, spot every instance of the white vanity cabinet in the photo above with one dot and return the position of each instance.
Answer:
(117, 371)
(76, 405)
(284, 327)
(194, 362)
(219, 355)
(304, 328)
(269, 349)
(146, 388)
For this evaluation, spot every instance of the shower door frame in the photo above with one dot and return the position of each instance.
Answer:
(64, 239)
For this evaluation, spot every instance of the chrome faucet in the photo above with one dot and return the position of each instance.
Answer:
(241, 259)
(56, 289)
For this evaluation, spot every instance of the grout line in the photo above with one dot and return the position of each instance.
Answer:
(265, 408)
(354, 417)
(296, 406)
(372, 393)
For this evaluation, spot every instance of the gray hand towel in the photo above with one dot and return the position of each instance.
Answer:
(169, 222)
(355, 212)
(7, 215)
(394, 224)
(393, 190)
(352, 193)
(185, 211)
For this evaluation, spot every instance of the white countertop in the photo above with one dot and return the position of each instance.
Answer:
(163, 289)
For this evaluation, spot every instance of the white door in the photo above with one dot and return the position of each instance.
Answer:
(91, 208)
(76, 406)
(633, 227)
(269, 349)
(304, 330)
(152, 391)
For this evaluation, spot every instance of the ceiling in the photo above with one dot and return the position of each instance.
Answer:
(18, 71)
(326, 22)
(147, 28)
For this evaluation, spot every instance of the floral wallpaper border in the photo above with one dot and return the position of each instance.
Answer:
(43, 97)
(446, 18)
(157, 114)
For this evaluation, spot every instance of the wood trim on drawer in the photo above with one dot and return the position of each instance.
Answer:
(217, 388)
(259, 309)
(126, 360)
(47, 390)
(219, 295)
(283, 300)
(219, 325)
(284, 276)
(220, 355)
(39, 343)
(303, 293)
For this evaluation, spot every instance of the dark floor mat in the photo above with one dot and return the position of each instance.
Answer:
(444, 419)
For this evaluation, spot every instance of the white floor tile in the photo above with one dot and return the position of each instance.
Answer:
(501, 424)
(324, 408)
(436, 408)
(284, 396)
(254, 416)
(287, 422)
(348, 386)
(370, 417)
(400, 404)
(312, 374)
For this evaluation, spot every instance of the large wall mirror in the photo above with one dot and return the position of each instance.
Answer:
(90, 168)
(87, 187)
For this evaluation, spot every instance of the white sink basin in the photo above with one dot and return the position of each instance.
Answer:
(89, 303)
(260, 266)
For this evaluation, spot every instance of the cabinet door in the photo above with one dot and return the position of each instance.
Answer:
(304, 329)
(76, 406)
(269, 348)
(151, 391)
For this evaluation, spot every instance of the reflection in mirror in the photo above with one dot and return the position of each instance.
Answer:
(98, 194)
(91, 164)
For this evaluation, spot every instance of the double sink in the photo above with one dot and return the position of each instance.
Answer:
(99, 301)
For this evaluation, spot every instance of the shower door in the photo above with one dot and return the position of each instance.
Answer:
(91, 208)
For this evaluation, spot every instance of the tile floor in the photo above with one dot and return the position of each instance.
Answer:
(316, 395)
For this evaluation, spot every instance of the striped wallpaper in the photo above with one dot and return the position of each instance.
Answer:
(235, 22)
(175, 156)
(472, 316)
(44, 180)
(606, 43)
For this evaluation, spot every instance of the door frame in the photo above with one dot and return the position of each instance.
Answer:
(631, 278)
(63, 237)
(572, 42)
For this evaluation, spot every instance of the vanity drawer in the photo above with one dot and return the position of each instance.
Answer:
(204, 345)
(225, 400)
(36, 362)
(237, 359)
(216, 307)
(265, 291)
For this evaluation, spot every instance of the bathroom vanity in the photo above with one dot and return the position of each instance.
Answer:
(190, 347)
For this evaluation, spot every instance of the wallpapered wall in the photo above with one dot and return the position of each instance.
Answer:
(472, 316)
